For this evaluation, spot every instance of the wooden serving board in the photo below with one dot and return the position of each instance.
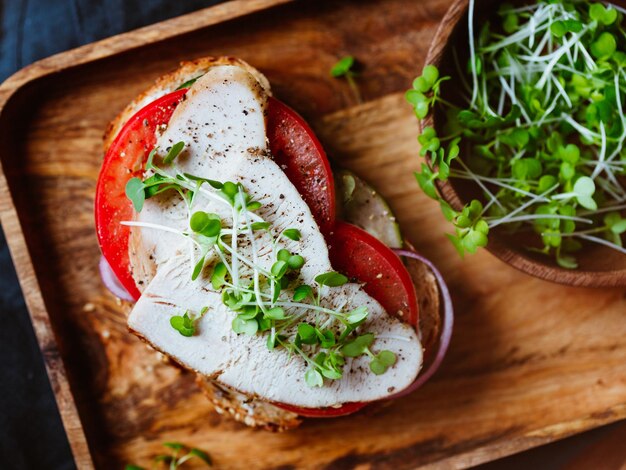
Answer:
(530, 361)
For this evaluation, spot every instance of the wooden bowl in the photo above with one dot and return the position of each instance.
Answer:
(599, 266)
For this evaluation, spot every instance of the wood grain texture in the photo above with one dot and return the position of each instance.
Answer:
(530, 362)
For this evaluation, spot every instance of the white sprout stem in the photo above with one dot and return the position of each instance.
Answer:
(164, 228)
(560, 197)
(547, 113)
(591, 65)
(618, 100)
(604, 209)
(484, 188)
(221, 200)
(530, 7)
(316, 308)
(469, 175)
(602, 241)
(233, 249)
(534, 200)
(470, 14)
(582, 130)
(514, 38)
(223, 259)
(510, 90)
(562, 92)
(255, 256)
(331, 319)
(600, 165)
(529, 217)
(618, 8)
(607, 187)
(396, 337)
(557, 55)
(236, 257)
(246, 291)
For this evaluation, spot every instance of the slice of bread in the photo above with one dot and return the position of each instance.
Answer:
(254, 411)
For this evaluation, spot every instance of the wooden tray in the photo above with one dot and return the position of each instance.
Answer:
(530, 361)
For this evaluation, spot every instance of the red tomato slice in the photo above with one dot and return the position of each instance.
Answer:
(125, 159)
(360, 256)
(343, 410)
(301, 156)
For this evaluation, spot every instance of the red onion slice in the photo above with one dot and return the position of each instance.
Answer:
(110, 281)
(446, 328)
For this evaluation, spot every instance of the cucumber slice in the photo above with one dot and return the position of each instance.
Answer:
(362, 206)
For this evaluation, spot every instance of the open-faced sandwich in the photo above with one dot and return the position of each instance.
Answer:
(216, 211)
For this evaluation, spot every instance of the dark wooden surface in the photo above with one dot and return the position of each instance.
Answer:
(530, 362)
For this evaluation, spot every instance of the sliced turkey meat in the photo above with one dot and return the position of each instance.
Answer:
(222, 122)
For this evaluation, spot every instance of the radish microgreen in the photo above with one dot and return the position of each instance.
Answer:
(331, 279)
(179, 454)
(345, 68)
(173, 152)
(540, 115)
(292, 234)
(186, 324)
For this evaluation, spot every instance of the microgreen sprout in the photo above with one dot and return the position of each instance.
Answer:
(179, 454)
(264, 299)
(541, 119)
(186, 324)
(345, 68)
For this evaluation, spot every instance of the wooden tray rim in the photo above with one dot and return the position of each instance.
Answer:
(29, 284)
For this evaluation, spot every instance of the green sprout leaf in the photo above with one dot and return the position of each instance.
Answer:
(212, 183)
(292, 234)
(279, 268)
(135, 192)
(307, 334)
(302, 292)
(342, 67)
(202, 455)
(260, 226)
(173, 152)
(331, 279)
(276, 313)
(283, 255)
(313, 378)
(382, 361)
(206, 224)
(357, 315)
(218, 278)
(327, 338)
(604, 46)
(584, 189)
(183, 324)
(602, 14)
(358, 346)
(295, 262)
(243, 326)
(188, 83)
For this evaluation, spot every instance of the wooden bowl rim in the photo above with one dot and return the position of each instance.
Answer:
(515, 258)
